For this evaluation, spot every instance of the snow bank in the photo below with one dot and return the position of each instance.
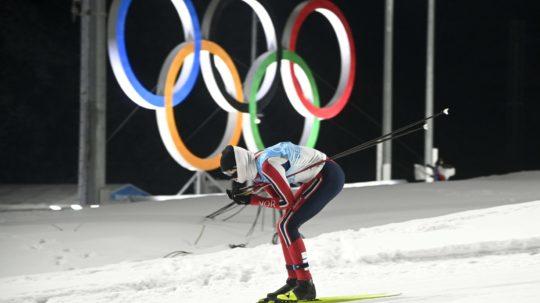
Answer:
(499, 230)
(243, 274)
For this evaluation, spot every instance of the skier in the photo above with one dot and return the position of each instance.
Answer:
(273, 171)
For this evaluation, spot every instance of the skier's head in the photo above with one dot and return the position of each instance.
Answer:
(238, 164)
(228, 162)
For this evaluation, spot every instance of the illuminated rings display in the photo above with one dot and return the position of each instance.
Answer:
(180, 70)
(348, 60)
(269, 85)
(120, 61)
(311, 124)
(165, 116)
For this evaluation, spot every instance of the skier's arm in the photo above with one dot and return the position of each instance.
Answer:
(275, 173)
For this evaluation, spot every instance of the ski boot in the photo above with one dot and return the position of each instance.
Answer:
(304, 290)
(271, 297)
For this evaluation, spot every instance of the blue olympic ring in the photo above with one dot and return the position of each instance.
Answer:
(158, 100)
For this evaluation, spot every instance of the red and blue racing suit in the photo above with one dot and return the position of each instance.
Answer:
(318, 186)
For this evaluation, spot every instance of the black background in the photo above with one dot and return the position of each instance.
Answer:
(487, 70)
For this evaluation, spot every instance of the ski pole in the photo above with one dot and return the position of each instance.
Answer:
(395, 132)
(249, 190)
(400, 132)
(220, 211)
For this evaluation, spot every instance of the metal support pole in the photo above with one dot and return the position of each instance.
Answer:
(379, 154)
(428, 141)
(213, 181)
(384, 153)
(187, 185)
(92, 127)
(198, 182)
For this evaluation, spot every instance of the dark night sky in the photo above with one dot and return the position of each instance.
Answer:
(487, 71)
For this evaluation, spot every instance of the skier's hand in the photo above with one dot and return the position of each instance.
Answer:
(237, 187)
(238, 198)
(242, 199)
(229, 194)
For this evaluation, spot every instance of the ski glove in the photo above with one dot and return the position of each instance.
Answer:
(238, 198)
(237, 187)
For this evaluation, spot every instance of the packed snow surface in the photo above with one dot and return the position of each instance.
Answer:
(489, 255)
(467, 241)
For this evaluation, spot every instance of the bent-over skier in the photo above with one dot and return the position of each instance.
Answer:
(273, 171)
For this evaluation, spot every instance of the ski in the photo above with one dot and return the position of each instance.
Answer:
(338, 299)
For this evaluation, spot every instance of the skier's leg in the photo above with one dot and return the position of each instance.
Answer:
(314, 200)
(305, 289)
(331, 183)
(291, 280)
(297, 250)
(292, 249)
(288, 260)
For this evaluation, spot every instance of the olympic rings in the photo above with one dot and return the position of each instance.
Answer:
(242, 102)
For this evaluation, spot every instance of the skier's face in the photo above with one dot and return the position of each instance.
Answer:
(231, 173)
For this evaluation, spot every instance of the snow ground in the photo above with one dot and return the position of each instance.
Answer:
(488, 254)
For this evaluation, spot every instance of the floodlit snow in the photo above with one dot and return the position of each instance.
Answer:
(466, 241)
